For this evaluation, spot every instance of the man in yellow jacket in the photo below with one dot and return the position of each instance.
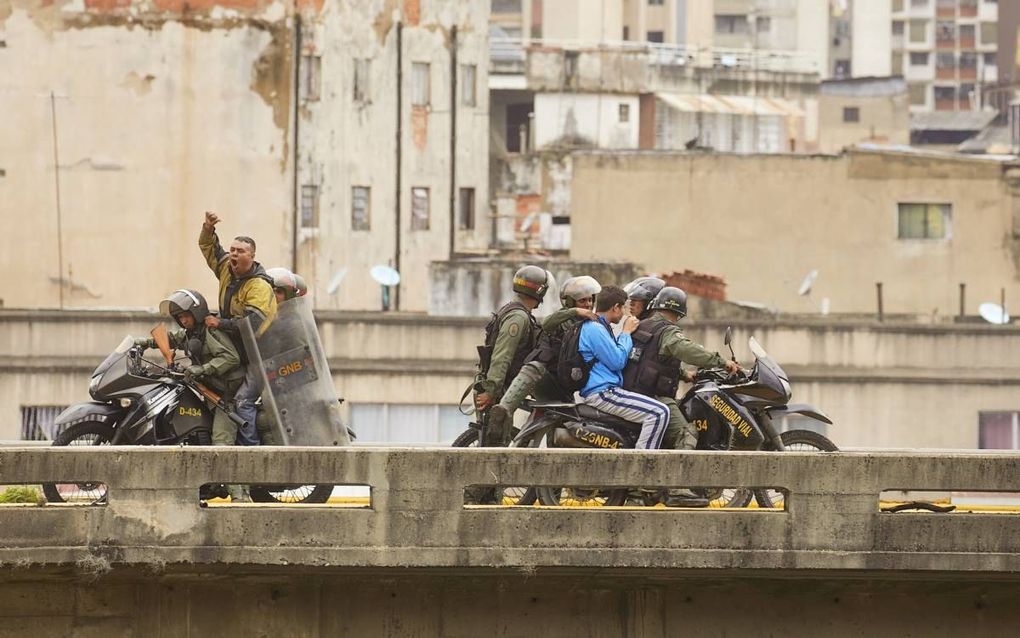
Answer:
(245, 291)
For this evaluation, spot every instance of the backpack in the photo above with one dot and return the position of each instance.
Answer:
(571, 369)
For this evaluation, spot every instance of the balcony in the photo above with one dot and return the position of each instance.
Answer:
(945, 43)
(968, 73)
(945, 73)
(945, 104)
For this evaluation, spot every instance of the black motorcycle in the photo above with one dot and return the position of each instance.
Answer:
(730, 413)
(140, 402)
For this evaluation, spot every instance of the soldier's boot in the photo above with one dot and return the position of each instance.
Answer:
(641, 498)
(682, 497)
(499, 426)
(239, 493)
(687, 439)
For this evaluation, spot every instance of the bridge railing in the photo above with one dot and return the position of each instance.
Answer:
(417, 516)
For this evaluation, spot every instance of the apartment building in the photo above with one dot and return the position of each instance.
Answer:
(946, 49)
(766, 26)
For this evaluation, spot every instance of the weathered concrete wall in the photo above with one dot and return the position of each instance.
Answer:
(884, 119)
(511, 603)
(586, 119)
(898, 385)
(160, 114)
(763, 223)
(167, 109)
(348, 142)
(418, 562)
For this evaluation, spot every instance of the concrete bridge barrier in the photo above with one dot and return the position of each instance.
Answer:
(417, 561)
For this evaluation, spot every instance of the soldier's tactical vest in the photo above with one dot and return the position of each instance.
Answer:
(527, 343)
(647, 373)
(549, 343)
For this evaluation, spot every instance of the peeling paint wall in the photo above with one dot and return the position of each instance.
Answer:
(164, 109)
(346, 142)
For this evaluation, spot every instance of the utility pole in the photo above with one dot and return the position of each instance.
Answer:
(56, 190)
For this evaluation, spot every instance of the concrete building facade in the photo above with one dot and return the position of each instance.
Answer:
(946, 49)
(281, 116)
(920, 224)
(861, 110)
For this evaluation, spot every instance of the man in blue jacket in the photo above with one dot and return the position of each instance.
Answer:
(603, 390)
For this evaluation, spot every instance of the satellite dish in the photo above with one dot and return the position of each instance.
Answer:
(528, 221)
(809, 280)
(334, 283)
(993, 313)
(385, 275)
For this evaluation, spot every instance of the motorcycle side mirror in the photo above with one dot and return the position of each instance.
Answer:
(728, 342)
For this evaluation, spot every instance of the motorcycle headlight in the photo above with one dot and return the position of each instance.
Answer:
(94, 384)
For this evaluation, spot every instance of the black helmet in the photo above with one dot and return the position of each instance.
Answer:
(532, 281)
(672, 299)
(578, 288)
(184, 300)
(290, 283)
(644, 288)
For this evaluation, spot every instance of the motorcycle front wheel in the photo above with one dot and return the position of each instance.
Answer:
(793, 441)
(519, 495)
(291, 494)
(87, 433)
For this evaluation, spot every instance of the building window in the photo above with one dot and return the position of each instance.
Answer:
(918, 94)
(407, 422)
(624, 113)
(312, 77)
(37, 421)
(851, 114)
(999, 430)
(361, 85)
(918, 4)
(945, 61)
(918, 59)
(468, 92)
(466, 219)
(989, 33)
(945, 32)
(990, 59)
(918, 31)
(309, 206)
(361, 208)
(421, 89)
(924, 221)
(763, 24)
(897, 27)
(656, 37)
(419, 208)
(654, 3)
(731, 24)
(897, 6)
(626, 33)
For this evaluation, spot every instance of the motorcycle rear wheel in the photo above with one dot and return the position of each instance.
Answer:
(519, 495)
(87, 433)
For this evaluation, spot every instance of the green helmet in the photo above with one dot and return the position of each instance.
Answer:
(185, 300)
(644, 288)
(532, 281)
(672, 299)
(289, 283)
(578, 288)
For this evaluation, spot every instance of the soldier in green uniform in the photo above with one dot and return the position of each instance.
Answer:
(509, 337)
(655, 369)
(578, 298)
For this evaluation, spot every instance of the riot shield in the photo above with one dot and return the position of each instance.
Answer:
(298, 397)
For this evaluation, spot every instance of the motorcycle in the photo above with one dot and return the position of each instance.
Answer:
(730, 413)
(139, 402)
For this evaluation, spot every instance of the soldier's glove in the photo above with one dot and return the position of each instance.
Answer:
(141, 342)
(191, 372)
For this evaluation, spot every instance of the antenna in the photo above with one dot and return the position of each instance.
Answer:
(334, 283)
(993, 313)
(386, 276)
(809, 280)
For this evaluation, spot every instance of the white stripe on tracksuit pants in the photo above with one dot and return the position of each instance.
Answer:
(651, 414)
